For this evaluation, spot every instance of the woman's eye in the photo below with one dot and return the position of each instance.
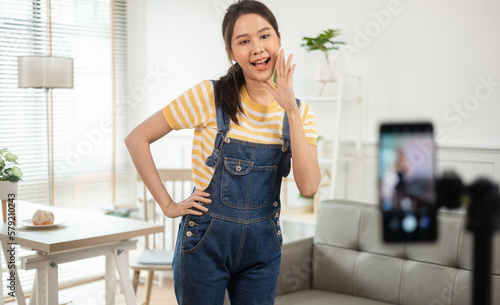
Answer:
(243, 41)
(264, 36)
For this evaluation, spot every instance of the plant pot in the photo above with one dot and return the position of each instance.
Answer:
(326, 71)
(6, 188)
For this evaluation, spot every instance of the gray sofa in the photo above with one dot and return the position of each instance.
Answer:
(347, 263)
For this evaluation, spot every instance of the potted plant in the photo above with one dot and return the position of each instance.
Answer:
(324, 42)
(10, 174)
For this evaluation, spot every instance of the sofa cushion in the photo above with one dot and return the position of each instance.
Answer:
(445, 250)
(370, 235)
(341, 227)
(423, 284)
(320, 297)
(332, 268)
(377, 277)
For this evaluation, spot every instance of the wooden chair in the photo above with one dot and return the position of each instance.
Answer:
(156, 256)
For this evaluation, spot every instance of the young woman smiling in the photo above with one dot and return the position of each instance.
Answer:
(246, 128)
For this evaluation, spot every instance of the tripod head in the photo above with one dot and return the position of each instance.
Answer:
(481, 198)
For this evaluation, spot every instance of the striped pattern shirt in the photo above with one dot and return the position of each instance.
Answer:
(195, 108)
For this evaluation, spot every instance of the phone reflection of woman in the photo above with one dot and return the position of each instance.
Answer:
(402, 168)
(246, 128)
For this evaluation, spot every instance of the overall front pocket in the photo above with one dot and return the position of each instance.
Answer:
(245, 185)
(196, 231)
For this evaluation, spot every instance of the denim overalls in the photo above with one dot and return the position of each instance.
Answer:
(236, 245)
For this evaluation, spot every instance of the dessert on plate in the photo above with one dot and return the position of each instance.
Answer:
(42, 217)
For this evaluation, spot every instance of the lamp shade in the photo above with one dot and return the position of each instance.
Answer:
(44, 72)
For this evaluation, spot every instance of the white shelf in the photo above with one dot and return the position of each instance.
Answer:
(319, 98)
(328, 99)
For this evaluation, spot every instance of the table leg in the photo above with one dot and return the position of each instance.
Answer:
(34, 290)
(110, 279)
(1, 283)
(52, 283)
(16, 289)
(47, 287)
(121, 260)
(4, 210)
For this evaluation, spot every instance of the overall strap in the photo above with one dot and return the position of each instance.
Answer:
(286, 147)
(286, 129)
(223, 126)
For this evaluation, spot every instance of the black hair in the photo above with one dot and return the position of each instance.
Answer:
(227, 90)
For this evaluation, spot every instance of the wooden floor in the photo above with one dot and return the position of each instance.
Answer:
(93, 294)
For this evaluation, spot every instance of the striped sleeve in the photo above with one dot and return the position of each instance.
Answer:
(191, 109)
(309, 123)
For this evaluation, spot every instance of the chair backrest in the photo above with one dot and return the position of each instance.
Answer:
(179, 184)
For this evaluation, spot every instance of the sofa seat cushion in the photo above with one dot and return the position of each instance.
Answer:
(322, 297)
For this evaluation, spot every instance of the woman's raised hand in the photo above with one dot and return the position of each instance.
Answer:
(191, 205)
(283, 94)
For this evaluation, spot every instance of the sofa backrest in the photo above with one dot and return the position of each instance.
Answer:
(350, 257)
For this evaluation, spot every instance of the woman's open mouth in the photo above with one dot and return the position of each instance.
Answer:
(261, 64)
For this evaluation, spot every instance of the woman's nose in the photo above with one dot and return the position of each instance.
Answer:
(258, 47)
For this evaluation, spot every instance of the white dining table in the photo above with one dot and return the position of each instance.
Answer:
(82, 235)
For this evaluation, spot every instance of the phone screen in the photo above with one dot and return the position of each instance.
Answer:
(407, 182)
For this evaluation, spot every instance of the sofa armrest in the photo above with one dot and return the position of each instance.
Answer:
(295, 269)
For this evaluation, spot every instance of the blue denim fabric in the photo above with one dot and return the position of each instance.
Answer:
(236, 245)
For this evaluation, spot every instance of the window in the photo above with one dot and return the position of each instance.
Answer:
(88, 123)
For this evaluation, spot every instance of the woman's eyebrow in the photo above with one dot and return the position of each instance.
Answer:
(261, 30)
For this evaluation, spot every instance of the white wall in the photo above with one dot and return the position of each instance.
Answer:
(419, 58)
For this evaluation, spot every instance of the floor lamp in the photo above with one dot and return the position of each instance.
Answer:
(45, 72)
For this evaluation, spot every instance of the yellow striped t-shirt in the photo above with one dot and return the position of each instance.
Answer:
(195, 108)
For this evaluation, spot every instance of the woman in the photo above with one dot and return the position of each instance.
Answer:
(246, 128)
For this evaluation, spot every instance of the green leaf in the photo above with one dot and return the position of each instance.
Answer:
(11, 157)
(323, 41)
(16, 171)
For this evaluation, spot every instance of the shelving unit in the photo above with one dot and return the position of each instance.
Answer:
(330, 167)
(339, 99)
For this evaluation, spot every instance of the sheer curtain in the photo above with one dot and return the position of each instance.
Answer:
(89, 121)
(90, 161)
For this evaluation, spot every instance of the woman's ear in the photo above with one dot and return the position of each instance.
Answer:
(230, 54)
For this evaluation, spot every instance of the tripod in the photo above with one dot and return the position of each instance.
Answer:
(483, 219)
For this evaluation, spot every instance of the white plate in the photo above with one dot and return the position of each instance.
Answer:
(29, 223)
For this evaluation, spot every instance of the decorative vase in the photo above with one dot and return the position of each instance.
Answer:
(7, 188)
(326, 73)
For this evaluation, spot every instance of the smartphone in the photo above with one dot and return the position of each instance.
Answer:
(407, 181)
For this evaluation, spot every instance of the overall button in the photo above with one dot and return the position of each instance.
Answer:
(227, 140)
(238, 168)
(275, 204)
(276, 216)
(283, 148)
(278, 223)
(279, 232)
(189, 233)
(192, 223)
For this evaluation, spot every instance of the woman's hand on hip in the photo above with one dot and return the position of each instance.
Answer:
(191, 205)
